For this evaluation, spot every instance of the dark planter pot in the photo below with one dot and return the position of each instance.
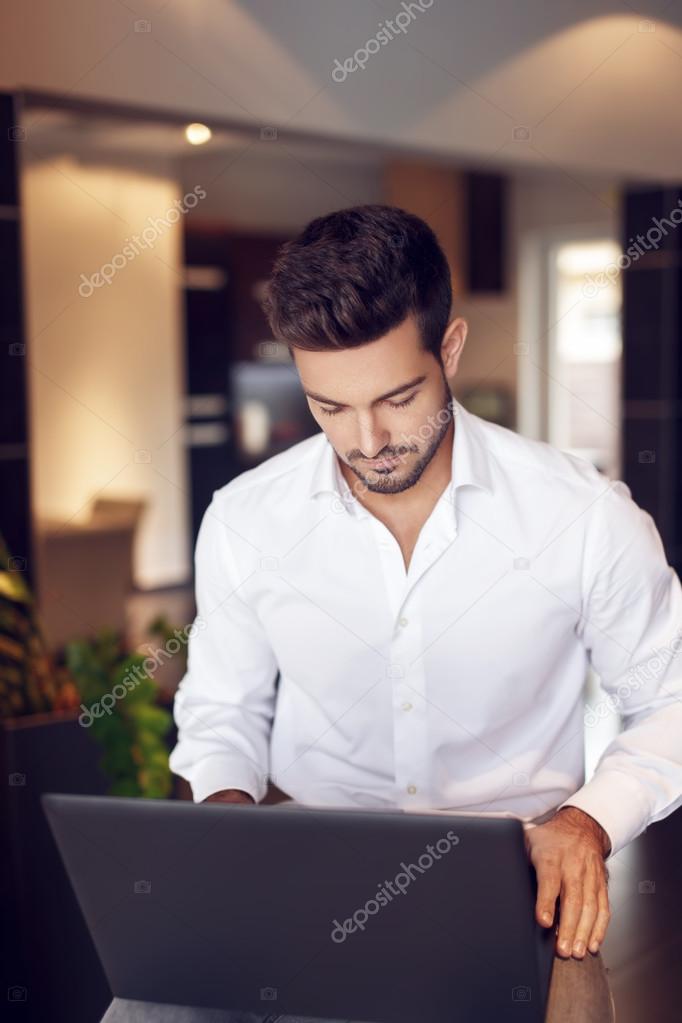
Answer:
(51, 968)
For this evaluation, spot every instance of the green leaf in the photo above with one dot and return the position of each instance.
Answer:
(125, 787)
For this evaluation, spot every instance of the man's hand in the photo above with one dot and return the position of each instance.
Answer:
(228, 796)
(568, 854)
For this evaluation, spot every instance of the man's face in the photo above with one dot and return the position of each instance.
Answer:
(384, 406)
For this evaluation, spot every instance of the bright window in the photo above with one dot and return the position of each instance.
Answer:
(585, 352)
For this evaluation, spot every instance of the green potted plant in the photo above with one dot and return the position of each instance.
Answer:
(119, 707)
(40, 692)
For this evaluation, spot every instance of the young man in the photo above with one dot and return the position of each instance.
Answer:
(430, 588)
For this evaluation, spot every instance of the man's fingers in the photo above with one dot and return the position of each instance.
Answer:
(571, 910)
(602, 921)
(588, 915)
(569, 863)
(549, 886)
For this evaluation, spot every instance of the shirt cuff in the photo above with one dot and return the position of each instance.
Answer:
(215, 773)
(616, 801)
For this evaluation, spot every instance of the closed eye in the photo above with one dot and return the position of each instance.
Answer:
(392, 404)
(402, 404)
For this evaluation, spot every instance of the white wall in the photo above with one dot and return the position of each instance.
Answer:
(105, 371)
(275, 191)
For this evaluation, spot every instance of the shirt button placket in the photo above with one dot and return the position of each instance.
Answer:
(409, 711)
(409, 728)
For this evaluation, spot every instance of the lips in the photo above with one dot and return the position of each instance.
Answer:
(384, 463)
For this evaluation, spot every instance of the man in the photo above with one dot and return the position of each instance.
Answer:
(430, 588)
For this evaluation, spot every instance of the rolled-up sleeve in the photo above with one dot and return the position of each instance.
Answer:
(224, 704)
(631, 625)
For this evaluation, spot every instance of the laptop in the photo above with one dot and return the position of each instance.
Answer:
(377, 915)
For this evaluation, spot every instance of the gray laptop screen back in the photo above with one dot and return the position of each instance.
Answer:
(342, 914)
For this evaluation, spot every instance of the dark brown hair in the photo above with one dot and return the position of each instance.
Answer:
(353, 275)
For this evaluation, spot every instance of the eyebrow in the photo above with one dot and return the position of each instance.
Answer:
(388, 394)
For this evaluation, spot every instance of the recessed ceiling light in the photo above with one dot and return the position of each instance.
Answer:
(196, 134)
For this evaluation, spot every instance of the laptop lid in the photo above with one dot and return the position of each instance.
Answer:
(382, 916)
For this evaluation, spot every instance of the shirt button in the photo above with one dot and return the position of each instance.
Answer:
(403, 621)
(411, 789)
(407, 706)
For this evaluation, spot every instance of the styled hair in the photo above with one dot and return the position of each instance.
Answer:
(353, 275)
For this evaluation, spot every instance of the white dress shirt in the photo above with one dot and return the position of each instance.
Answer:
(457, 684)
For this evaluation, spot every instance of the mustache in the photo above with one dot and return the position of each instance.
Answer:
(387, 453)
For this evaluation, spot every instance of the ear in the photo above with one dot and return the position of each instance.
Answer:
(451, 347)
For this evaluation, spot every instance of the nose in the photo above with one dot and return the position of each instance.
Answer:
(372, 438)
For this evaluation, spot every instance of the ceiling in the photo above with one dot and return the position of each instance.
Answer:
(581, 86)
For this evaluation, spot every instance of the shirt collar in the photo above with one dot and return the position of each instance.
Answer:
(470, 463)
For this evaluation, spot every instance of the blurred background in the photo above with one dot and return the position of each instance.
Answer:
(153, 157)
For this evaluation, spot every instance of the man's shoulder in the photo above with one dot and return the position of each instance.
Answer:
(539, 461)
(286, 473)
